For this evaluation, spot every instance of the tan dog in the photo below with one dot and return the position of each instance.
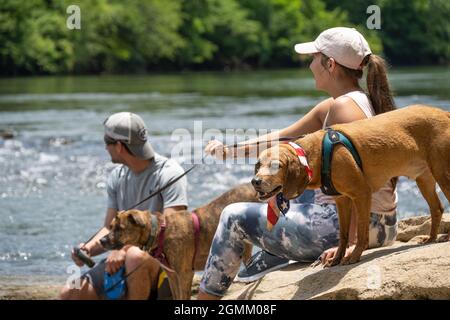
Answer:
(133, 227)
(412, 142)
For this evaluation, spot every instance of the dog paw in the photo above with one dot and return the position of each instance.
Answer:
(425, 239)
(421, 239)
(332, 262)
(353, 260)
(355, 257)
(345, 261)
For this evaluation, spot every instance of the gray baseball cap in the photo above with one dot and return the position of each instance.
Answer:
(130, 129)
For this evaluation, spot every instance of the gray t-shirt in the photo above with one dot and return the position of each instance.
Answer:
(125, 188)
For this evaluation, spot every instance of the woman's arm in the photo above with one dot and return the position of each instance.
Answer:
(311, 122)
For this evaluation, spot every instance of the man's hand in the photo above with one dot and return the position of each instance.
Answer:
(115, 260)
(77, 260)
(330, 253)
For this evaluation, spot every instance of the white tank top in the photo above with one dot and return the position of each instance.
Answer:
(384, 201)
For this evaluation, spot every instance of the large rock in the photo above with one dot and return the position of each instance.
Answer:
(417, 226)
(405, 270)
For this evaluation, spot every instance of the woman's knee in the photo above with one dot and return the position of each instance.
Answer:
(236, 212)
(231, 211)
(382, 230)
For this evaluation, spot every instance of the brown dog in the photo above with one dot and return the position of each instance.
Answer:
(134, 226)
(412, 142)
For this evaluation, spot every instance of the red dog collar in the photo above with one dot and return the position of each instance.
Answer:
(302, 157)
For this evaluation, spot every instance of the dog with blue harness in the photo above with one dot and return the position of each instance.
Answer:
(351, 161)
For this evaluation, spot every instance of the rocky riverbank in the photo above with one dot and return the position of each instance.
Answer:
(405, 270)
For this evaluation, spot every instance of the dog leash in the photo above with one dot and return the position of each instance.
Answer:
(79, 252)
(88, 260)
(238, 144)
(196, 223)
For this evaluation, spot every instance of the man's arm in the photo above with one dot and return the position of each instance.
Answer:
(94, 247)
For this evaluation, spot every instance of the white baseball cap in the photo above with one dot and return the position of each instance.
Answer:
(130, 129)
(345, 45)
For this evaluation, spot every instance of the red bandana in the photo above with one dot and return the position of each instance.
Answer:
(302, 157)
(278, 203)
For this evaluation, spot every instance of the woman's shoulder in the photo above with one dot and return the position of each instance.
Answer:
(339, 103)
(343, 110)
(323, 108)
(342, 101)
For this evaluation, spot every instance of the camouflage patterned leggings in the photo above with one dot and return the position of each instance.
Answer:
(302, 235)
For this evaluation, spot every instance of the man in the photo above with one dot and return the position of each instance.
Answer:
(142, 171)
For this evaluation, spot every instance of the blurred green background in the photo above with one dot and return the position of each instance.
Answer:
(175, 35)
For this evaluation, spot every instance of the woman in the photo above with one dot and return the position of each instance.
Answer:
(309, 229)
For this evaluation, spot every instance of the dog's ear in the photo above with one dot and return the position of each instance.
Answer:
(139, 218)
(296, 177)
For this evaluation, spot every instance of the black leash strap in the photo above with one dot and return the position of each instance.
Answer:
(163, 188)
(124, 278)
(87, 260)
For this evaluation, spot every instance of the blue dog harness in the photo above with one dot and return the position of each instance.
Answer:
(330, 140)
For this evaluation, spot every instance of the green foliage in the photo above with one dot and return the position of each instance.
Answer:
(119, 37)
(262, 33)
(416, 31)
(140, 35)
(33, 39)
(356, 9)
(412, 31)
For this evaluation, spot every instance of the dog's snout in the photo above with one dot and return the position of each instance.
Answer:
(104, 241)
(256, 181)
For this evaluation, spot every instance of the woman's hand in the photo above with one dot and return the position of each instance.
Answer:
(330, 253)
(217, 149)
(115, 260)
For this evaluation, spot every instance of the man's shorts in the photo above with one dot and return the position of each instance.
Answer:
(96, 277)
